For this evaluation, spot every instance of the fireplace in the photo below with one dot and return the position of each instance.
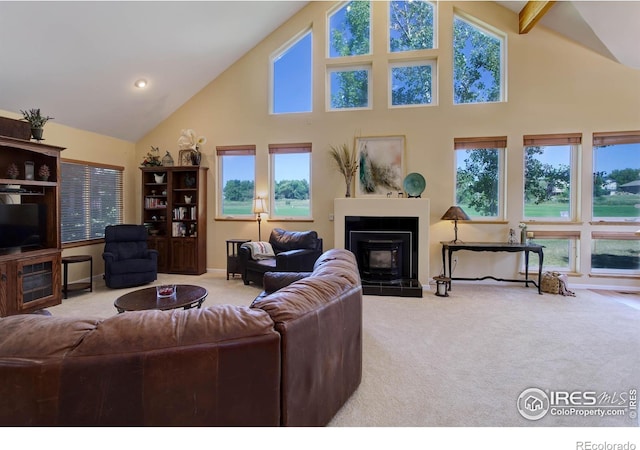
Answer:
(386, 219)
(386, 249)
(380, 260)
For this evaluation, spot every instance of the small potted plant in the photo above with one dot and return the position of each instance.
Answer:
(37, 121)
(44, 172)
(12, 171)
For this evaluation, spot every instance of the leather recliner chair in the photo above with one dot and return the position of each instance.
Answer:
(295, 251)
(127, 260)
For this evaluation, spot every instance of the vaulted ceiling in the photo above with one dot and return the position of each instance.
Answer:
(78, 61)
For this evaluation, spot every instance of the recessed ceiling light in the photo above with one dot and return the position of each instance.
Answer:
(140, 83)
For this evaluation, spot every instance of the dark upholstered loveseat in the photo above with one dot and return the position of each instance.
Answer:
(295, 251)
(292, 358)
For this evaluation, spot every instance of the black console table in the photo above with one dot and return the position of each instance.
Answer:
(449, 247)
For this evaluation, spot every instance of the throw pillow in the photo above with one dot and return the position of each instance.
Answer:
(259, 250)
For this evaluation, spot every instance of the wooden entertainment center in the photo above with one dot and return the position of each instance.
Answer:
(30, 274)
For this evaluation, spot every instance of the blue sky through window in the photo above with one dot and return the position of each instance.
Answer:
(292, 78)
(238, 168)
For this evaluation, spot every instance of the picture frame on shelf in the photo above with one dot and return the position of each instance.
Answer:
(381, 165)
(185, 157)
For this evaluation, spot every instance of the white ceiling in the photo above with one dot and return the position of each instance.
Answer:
(611, 28)
(77, 61)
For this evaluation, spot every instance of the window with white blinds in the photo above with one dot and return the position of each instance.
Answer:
(90, 199)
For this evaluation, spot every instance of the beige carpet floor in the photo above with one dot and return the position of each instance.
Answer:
(463, 360)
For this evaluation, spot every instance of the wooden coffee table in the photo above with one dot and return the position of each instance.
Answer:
(187, 296)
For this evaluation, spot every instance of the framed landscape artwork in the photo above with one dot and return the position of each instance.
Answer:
(381, 166)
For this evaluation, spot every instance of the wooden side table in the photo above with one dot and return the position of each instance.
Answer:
(66, 287)
(233, 263)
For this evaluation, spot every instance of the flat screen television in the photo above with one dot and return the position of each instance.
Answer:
(22, 226)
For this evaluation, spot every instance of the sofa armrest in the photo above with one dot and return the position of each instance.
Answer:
(108, 257)
(301, 260)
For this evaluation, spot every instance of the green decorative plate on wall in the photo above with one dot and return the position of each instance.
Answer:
(414, 184)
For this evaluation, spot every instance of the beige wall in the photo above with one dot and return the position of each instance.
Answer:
(87, 146)
(554, 86)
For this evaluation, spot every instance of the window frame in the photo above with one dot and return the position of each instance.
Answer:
(434, 38)
(349, 68)
(275, 56)
(574, 141)
(233, 150)
(88, 200)
(413, 63)
(600, 139)
(489, 30)
(574, 249)
(613, 236)
(498, 143)
(281, 149)
(334, 11)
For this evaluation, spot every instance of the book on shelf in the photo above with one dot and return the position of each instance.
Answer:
(152, 202)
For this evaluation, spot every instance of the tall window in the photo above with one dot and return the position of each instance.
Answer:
(90, 199)
(290, 181)
(480, 176)
(549, 176)
(349, 35)
(613, 252)
(412, 83)
(236, 180)
(411, 25)
(478, 63)
(616, 176)
(349, 30)
(291, 77)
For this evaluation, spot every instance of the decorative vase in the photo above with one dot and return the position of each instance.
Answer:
(36, 133)
(347, 181)
(523, 235)
(196, 156)
(159, 177)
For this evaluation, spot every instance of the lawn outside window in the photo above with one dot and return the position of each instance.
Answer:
(615, 253)
(616, 177)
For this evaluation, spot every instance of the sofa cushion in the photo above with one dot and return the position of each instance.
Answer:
(283, 240)
(259, 250)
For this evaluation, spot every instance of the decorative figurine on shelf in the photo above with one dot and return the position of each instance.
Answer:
(44, 173)
(152, 158)
(167, 160)
(12, 171)
(512, 237)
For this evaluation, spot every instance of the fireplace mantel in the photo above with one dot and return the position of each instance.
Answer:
(387, 207)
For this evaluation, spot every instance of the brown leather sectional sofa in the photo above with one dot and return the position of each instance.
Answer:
(292, 358)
